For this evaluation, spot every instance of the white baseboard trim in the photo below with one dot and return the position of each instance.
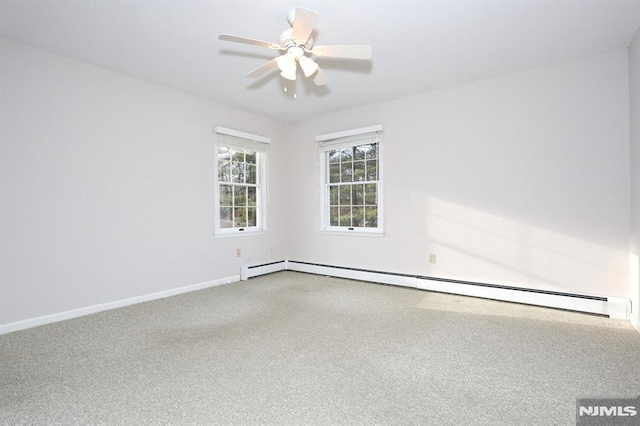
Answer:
(614, 307)
(61, 316)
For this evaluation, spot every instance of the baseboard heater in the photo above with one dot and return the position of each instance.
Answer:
(247, 272)
(614, 307)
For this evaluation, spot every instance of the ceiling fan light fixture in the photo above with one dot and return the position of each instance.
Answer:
(308, 65)
(289, 74)
(287, 65)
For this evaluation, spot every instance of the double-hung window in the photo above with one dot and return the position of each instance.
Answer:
(351, 181)
(241, 182)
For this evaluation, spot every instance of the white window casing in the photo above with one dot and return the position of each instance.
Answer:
(238, 141)
(331, 221)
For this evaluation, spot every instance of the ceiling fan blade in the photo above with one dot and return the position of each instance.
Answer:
(320, 78)
(254, 42)
(262, 69)
(352, 52)
(303, 22)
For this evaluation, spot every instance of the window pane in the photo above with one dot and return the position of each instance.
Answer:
(225, 217)
(357, 216)
(226, 195)
(345, 195)
(372, 151)
(333, 216)
(223, 153)
(250, 157)
(237, 155)
(345, 216)
(240, 216)
(237, 170)
(240, 195)
(371, 217)
(357, 195)
(358, 171)
(371, 194)
(360, 152)
(346, 172)
(333, 195)
(372, 170)
(251, 195)
(251, 216)
(334, 173)
(224, 171)
(251, 173)
(334, 156)
(346, 154)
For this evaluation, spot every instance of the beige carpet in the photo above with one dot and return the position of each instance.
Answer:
(292, 348)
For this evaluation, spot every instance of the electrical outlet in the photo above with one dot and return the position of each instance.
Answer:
(238, 253)
(432, 258)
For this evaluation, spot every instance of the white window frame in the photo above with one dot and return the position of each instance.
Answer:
(237, 139)
(354, 137)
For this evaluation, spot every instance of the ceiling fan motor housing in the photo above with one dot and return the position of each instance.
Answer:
(286, 40)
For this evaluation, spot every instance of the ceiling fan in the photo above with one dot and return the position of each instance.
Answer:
(296, 46)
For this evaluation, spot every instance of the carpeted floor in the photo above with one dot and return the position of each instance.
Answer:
(292, 348)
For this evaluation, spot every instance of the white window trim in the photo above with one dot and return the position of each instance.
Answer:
(352, 137)
(262, 160)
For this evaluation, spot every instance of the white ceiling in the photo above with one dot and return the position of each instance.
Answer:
(417, 45)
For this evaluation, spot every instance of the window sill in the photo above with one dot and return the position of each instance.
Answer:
(239, 234)
(353, 233)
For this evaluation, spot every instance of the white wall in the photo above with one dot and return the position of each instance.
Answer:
(106, 187)
(521, 180)
(634, 113)
(106, 184)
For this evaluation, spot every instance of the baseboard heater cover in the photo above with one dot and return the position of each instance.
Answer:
(614, 307)
(247, 272)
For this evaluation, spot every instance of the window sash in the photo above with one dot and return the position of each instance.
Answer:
(344, 206)
(252, 207)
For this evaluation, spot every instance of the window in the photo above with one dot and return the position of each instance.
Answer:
(241, 182)
(351, 181)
